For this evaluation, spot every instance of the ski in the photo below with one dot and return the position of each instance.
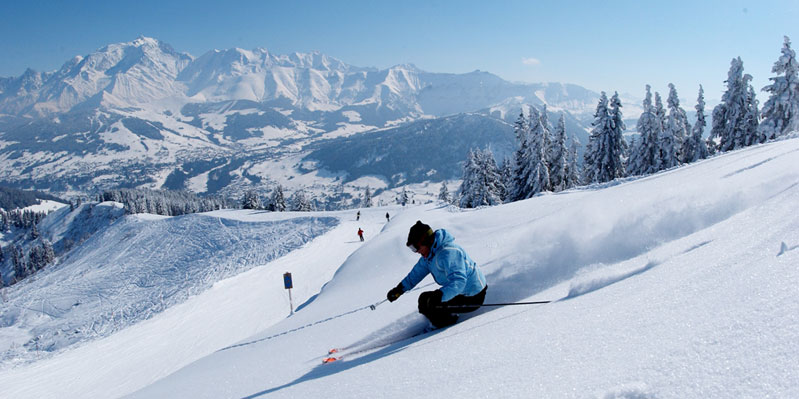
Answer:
(336, 354)
(331, 356)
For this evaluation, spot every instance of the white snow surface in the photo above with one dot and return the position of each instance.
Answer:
(45, 206)
(677, 285)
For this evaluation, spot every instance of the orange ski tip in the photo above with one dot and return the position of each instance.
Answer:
(334, 350)
(330, 360)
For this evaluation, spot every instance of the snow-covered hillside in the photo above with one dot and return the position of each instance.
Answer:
(135, 268)
(680, 284)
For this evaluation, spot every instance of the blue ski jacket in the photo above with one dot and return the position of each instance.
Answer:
(451, 267)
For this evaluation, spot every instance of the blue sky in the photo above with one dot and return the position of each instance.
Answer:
(602, 45)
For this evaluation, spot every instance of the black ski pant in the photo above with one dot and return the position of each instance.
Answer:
(442, 314)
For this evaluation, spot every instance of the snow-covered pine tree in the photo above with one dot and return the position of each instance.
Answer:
(633, 163)
(366, 200)
(35, 260)
(5, 226)
(751, 118)
(491, 185)
(591, 154)
(34, 232)
(506, 173)
(537, 169)
(546, 128)
(669, 139)
(469, 180)
(40, 256)
(644, 154)
(732, 122)
(251, 200)
(572, 174)
(481, 180)
(300, 202)
(443, 194)
(18, 261)
(557, 156)
(605, 150)
(403, 198)
(781, 111)
(538, 178)
(694, 147)
(665, 156)
(521, 128)
(718, 125)
(618, 146)
(277, 202)
(49, 252)
(677, 123)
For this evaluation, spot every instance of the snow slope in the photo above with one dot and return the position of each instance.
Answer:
(45, 206)
(148, 274)
(667, 286)
(140, 266)
(681, 284)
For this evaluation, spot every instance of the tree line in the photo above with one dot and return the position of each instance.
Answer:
(22, 223)
(12, 198)
(544, 161)
(301, 201)
(164, 202)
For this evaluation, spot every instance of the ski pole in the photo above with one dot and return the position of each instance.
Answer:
(375, 305)
(492, 304)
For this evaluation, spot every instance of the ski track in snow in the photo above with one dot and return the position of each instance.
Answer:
(148, 266)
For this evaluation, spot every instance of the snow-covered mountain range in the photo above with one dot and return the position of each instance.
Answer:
(141, 113)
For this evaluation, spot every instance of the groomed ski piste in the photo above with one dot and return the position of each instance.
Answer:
(682, 284)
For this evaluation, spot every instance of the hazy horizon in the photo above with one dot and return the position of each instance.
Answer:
(618, 47)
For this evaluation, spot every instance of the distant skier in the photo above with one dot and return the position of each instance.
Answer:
(360, 233)
(463, 285)
(387, 217)
(358, 216)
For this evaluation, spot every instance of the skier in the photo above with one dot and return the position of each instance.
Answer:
(387, 218)
(463, 285)
(358, 216)
(360, 233)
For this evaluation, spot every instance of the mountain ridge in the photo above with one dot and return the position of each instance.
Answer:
(221, 75)
(141, 114)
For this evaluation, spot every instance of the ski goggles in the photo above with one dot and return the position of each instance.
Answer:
(413, 248)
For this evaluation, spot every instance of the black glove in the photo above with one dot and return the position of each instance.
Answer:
(430, 299)
(395, 292)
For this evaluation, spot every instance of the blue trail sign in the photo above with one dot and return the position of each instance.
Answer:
(287, 281)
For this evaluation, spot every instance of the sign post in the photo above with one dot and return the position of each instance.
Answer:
(288, 285)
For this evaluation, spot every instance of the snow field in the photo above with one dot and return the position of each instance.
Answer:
(665, 286)
(680, 284)
(201, 323)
